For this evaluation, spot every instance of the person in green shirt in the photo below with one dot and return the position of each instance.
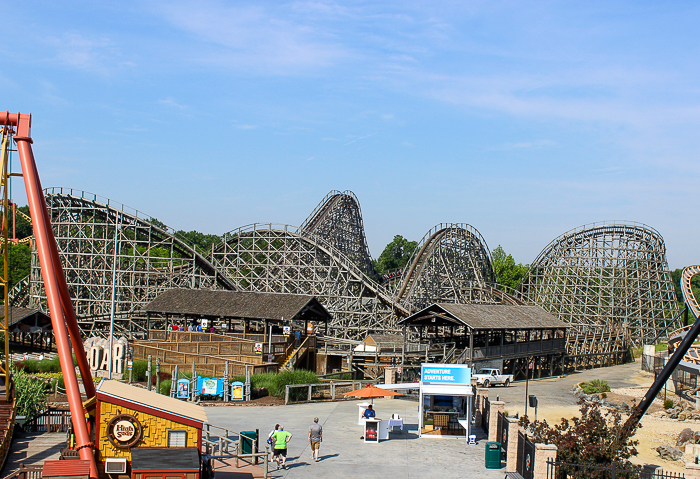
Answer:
(281, 438)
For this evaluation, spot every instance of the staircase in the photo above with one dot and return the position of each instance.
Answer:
(296, 353)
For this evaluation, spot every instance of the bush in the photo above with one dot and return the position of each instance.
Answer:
(31, 366)
(668, 404)
(275, 383)
(31, 394)
(595, 386)
(139, 370)
(163, 376)
(597, 437)
(49, 366)
(604, 395)
(165, 387)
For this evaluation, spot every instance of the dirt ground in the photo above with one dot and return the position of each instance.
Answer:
(654, 431)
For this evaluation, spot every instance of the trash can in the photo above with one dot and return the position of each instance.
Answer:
(248, 438)
(493, 455)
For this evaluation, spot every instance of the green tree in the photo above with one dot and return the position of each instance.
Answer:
(23, 228)
(19, 262)
(694, 285)
(202, 242)
(507, 272)
(395, 255)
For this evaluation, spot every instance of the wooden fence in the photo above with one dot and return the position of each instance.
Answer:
(50, 420)
(326, 391)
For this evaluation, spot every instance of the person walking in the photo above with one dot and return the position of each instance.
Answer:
(281, 437)
(271, 442)
(315, 438)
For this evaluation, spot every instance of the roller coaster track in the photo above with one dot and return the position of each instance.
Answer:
(449, 258)
(284, 259)
(338, 219)
(605, 276)
(151, 260)
(688, 296)
(691, 302)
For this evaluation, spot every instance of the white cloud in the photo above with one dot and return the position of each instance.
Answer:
(94, 54)
(254, 37)
(170, 101)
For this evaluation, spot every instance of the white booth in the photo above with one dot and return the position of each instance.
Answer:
(445, 400)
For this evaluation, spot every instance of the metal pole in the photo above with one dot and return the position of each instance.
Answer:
(149, 371)
(158, 375)
(527, 382)
(114, 289)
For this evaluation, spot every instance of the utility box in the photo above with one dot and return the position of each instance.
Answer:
(493, 455)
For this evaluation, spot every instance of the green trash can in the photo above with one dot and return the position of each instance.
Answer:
(248, 438)
(493, 455)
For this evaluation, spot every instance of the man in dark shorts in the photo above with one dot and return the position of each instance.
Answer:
(281, 438)
(315, 438)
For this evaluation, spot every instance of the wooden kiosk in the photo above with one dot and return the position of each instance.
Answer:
(140, 433)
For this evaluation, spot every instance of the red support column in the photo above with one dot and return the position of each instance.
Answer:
(52, 274)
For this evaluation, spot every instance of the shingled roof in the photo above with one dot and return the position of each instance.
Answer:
(26, 319)
(485, 316)
(237, 304)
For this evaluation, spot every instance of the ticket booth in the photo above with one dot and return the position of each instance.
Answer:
(445, 400)
(141, 434)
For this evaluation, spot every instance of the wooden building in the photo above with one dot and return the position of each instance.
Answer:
(511, 338)
(144, 434)
(259, 310)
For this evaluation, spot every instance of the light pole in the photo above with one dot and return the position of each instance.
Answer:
(114, 289)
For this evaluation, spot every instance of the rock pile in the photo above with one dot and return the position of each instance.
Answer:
(681, 412)
(623, 408)
(675, 453)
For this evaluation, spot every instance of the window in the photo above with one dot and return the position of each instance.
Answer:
(177, 438)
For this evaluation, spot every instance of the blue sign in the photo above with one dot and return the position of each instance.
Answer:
(445, 374)
(183, 389)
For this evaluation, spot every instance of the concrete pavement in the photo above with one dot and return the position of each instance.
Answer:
(344, 454)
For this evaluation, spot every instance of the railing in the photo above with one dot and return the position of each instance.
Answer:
(223, 447)
(332, 391)
(309, 342)
(566, 470)
(653, 364)
(26, 472)
(50, 420)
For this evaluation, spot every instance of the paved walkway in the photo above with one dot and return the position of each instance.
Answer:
(33, 448)
(344, 454)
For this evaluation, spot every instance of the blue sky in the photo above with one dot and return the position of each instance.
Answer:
(524, 120)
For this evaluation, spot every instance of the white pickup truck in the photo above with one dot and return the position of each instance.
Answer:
(489, 377)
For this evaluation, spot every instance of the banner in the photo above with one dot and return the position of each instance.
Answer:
(445, 374)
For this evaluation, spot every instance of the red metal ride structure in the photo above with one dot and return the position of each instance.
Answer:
(63, 320)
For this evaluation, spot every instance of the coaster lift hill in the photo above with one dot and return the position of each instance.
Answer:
(63, 319)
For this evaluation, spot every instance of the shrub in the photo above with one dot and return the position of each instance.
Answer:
(31, 366)
(604, 395)
(139, 370)
(668, 404)
(275, 383)
(31, 394)
(49, 365)
(595, 386)
(165, 387)
(163, 376)
(597, 437)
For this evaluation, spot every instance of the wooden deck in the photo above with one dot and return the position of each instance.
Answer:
(33, 448)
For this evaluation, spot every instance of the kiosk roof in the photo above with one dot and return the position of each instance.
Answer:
(152, 400)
